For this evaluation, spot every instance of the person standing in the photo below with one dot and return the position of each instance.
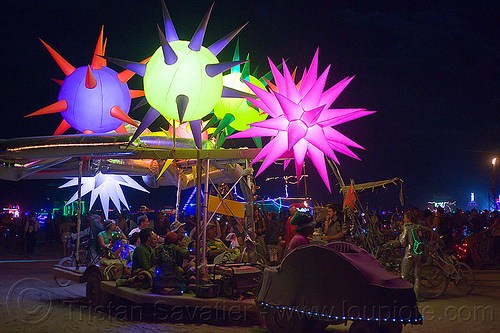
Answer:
(30, 230)
(290, 228)
(142, 222)
(413, 248)
(333, 227)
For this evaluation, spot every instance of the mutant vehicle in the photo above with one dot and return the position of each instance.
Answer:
(337, 283)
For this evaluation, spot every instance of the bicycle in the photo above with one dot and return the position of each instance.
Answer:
(86, 257)
(442, 268)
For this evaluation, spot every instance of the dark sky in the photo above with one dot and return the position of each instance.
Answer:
(430, 69)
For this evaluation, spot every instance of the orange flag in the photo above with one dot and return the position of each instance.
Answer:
(350, 198)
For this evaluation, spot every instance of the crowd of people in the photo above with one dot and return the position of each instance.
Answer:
(156, 250)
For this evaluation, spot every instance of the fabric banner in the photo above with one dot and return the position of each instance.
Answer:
(350, 198)
(228, 207)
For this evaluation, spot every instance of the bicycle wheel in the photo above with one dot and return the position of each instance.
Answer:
(433, 281)
(82, 258)
(465, 280)
(66, 262)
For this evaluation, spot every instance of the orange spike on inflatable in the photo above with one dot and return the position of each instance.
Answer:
(104, 61)
(136, 93)
(293, 74)
(90, 81)
(59, 82)
(127, 75)
(119, 114)
(66, 67)
(96, 60)
(271, 85)
(121, 129)
(88, 132)
(52, 108)
(63, 127)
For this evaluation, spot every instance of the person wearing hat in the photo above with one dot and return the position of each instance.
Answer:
(112, 241)
(304, 228)
(106, 237)
(180, 230)
(216, 251)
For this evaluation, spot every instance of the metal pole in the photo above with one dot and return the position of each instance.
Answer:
(205, 214)
(305, 179)
(173, 131)
(79, 211)
(177, 203)
(250, 223)
(198, 216)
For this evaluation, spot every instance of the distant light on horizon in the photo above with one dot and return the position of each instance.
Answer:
(494, 161)
(472, 197)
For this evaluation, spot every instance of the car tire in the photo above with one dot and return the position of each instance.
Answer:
(391, 327)
(65, 262)
(359, 326)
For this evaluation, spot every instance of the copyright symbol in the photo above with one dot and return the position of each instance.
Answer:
(29, 301)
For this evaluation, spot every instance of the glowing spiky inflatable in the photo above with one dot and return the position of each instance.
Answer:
(301, 121)
(106, 187)
(238, 108)
(183, 79)
(92, 99)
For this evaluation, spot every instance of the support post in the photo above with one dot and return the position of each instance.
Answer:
(178, 201)
(305, 179)
(79, 211)
(199, 227)
(205, 215)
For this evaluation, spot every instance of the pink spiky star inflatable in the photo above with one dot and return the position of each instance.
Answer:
(302, 120)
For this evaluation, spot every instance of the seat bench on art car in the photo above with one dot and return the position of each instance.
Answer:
(319, 285)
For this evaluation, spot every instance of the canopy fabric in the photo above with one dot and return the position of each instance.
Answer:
(226, 207)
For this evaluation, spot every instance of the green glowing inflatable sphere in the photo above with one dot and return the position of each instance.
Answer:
(163, 83)
(243, 113)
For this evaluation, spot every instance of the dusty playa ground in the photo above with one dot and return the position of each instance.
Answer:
(31, 301)
(34, 305)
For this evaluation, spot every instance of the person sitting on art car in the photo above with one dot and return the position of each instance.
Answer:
(216, 251)
(170, 260)
(179, 229)
(133, 242)
(304, 227)
(143, 261)
(111, 239)
(112, 242)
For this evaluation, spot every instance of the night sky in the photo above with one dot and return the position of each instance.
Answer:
(430, 69)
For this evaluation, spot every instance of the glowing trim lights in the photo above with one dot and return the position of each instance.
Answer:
(324, 316)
